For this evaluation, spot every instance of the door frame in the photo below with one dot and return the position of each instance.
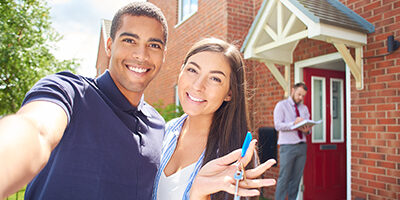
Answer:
(298, 77)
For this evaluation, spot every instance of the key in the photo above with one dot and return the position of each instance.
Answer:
(238, 177)
(240, 171)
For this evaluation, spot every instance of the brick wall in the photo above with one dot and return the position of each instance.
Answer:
(375, 166)
(375, 170)
(210, 20)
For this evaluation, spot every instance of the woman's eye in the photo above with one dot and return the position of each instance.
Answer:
(216, 79)
(191, 70)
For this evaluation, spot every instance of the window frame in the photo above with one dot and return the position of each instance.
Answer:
(182, 18)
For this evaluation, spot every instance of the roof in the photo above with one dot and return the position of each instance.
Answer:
(330, 12)
(106, 28)
(335, 13)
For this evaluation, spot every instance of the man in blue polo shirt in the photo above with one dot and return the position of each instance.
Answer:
(82, 138)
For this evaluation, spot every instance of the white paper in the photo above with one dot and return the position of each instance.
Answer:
(305, 122)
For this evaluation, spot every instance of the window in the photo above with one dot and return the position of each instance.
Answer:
(186, 9)
(337, 116)
(317, 107)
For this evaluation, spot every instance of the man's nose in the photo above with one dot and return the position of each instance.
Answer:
(141, 53)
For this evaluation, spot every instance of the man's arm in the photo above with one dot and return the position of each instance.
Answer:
(279, 119)
(26, 141)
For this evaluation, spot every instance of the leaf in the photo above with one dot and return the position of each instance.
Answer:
(26, 43)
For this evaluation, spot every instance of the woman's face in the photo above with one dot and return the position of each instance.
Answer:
(203, 83)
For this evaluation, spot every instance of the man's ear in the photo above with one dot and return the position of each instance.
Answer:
(228, 97)
(109, 44)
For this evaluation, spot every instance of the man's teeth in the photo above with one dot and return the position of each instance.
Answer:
(195, 99)
(138, 70)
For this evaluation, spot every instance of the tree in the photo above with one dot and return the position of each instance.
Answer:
(26, 41)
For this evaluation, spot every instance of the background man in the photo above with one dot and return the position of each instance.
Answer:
(92, 138)
(293, 147)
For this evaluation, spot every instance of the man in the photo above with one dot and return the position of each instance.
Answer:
(82, 138)
(293, 147)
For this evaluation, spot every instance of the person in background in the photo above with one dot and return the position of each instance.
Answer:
(211, 90)
(292, 143)
(83, 138)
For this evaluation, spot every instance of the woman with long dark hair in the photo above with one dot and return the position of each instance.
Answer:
(212, 92)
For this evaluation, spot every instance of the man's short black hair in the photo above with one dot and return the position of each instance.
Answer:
(139, 9)
(301, 84)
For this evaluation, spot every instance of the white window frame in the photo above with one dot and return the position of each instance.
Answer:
(341, 110)
(177, 103)
(323, 110)
(182, 18)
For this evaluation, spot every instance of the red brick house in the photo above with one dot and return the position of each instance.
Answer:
(340, 49)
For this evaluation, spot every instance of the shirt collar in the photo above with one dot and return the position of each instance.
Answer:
(291, 101)
(107, 86)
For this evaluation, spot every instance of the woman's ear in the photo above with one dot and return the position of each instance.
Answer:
(228, 97)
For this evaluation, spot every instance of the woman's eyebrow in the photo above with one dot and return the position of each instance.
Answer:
(214, 71)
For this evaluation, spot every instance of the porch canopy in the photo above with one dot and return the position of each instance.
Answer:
(281, 24)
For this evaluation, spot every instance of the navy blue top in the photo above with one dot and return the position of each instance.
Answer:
(109, 150)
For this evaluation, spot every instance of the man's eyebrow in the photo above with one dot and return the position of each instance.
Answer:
(137, 37)
(129, 34)
(156, 40)
(214, 71)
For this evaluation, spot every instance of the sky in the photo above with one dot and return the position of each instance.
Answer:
(79, 22)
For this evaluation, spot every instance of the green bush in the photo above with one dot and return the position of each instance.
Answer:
(169, 111)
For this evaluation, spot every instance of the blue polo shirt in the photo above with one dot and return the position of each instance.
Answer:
(109, 150)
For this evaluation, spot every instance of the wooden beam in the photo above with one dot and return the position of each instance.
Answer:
(359, 62)
(249, 49)
(287, 80)
(355, 66)
(289, 25)
(270, 32)
(279, 18)
(283, 81)
(283, 41)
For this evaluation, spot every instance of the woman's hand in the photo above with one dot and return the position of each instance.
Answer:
(217, 175)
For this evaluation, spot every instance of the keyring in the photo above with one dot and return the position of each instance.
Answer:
(241, 166)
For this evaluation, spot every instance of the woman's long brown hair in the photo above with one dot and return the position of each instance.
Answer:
(229, 125)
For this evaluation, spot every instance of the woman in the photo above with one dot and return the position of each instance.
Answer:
(211, 89)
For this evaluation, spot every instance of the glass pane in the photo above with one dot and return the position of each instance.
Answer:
(193, 6)
(337, 105)
(185, 8)
(317, 112)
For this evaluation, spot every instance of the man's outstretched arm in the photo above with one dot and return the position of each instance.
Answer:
(26, 141)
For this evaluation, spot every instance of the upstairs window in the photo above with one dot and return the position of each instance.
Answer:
(186, 9)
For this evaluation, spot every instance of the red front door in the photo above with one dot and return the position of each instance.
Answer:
(325, 170)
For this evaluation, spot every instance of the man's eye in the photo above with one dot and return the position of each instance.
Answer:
(128, 40)
(155, 46)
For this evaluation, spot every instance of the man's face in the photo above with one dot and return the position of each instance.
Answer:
(298, 95)
(136, 54)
